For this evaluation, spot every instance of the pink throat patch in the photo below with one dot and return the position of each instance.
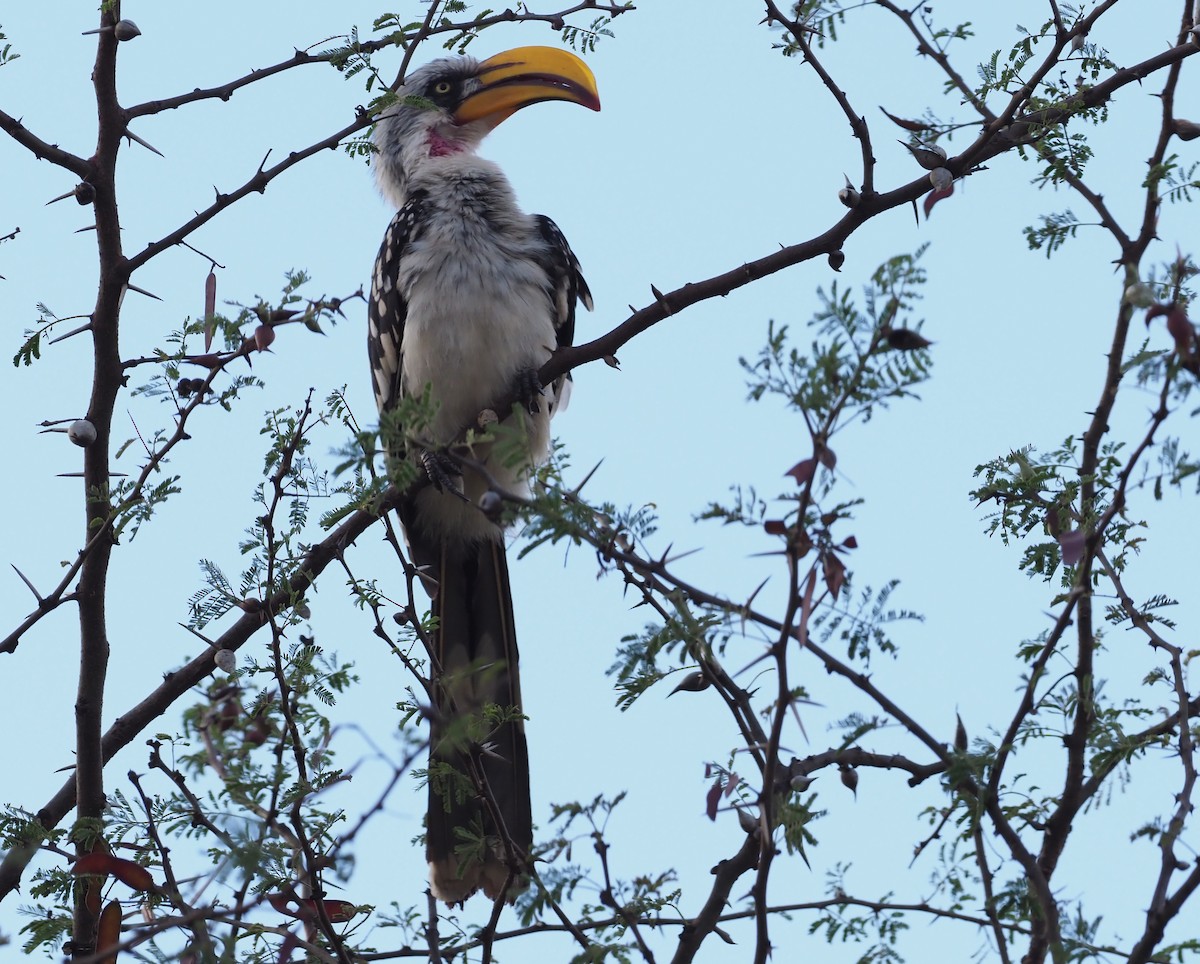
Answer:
(441, 147)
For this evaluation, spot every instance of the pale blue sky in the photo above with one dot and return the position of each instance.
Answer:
(711, 150)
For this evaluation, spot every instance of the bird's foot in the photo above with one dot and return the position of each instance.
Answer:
(442, 472)
(528, 389)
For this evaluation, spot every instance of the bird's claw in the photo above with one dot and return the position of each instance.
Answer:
(528, 389)
(441, 470)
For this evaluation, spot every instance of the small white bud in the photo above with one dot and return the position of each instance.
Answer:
(940, 178)
(1139, 295)
(848, 195)
(126, 30)
(226, 660)
(82, 432)
(490, 504)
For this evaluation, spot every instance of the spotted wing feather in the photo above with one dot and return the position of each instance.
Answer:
(387, 308)
(567, 286)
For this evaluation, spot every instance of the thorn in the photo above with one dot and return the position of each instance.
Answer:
(587, 478)
(78, 331)
(90, 227)
(142, 291)
(150, 147)
(683, 555)
(36, 594)
(200, 636)
(61, 197)
(662, 302)
(64, 430)
(750, 599)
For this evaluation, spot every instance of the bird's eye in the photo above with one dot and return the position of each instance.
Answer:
(442, 87)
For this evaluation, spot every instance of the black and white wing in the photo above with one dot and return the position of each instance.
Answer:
(566, 288)
(387, 308)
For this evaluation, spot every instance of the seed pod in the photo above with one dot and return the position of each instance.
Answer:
(692, 683)
(929, 156)
(1185, 130)
(210, 308)
(837, 259)
(849, 778)
(263, 336)
(905, 339)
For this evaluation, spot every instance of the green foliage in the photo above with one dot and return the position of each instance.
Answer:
(848, 371)
(1173, 180)
(584, 39)
(861, 629)
(1053, 231)
(6, 52)
(352, 59)
(31, 350)
(850, 923)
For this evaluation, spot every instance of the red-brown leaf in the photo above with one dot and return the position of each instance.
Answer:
(1072, 544)
(802, 471)
(933, 197)
(1179, 328)
(916, 127)
(712, 798)
(835, 573)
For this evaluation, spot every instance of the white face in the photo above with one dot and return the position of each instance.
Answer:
(409, 134)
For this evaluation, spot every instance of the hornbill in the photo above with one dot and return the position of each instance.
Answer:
(469, 297)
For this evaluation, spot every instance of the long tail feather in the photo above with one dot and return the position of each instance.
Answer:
(476, 735)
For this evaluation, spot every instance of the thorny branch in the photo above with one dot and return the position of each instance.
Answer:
(1012, 127)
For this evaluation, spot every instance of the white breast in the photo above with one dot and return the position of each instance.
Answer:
(479, 308)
